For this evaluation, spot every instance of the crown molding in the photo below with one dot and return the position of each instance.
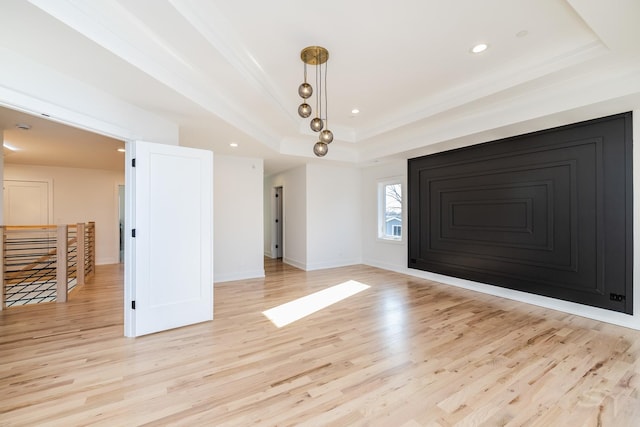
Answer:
(476, 90)
(104, 23)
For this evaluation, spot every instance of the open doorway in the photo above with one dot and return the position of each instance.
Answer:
(158, 166)
(56, 174)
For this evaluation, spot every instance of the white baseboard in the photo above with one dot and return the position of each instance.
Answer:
(240, 275)
(333, 264)
(104, 261)
(607, 316)
(296, 264)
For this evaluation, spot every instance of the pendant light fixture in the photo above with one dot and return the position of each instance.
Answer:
(317, 56)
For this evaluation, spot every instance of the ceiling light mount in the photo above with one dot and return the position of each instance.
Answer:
(23, 126)
(316, 56)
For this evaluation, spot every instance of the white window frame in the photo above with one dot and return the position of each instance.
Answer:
(381, 194)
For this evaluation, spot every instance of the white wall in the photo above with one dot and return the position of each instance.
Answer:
(394, 256)
(322, 216)
(81, 195)
(294, 216)
(387, 254)
(237, 218)
(334, 216)
(34, 88)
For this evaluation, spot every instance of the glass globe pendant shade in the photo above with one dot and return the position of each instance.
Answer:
(326, 136)
(320, 149)
(304, 110)
(305, 90)
(316, 124)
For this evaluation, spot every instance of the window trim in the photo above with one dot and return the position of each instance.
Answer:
(381, 235)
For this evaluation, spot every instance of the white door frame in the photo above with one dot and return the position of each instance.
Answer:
(129, 255)
(29, 104)
(277, 236)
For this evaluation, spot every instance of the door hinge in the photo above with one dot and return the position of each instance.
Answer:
(133, 232)
(133, 305)
(133, 163)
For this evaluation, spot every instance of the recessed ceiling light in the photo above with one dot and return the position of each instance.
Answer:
(9, 146)
(121, 150)
(233, 144)
(23, 126)
(480, 47)
(355, 111)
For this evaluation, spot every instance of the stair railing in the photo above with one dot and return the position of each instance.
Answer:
(34, 272)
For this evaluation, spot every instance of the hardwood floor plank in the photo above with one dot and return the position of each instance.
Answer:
(404, 352)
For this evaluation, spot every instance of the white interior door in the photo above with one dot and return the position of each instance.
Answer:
(170, 262)
(26, 203)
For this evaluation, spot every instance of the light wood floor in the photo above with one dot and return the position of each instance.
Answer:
(406, 352)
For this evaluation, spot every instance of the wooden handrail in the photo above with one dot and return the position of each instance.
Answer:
(80, 243)
(61, 265)
(30, 227)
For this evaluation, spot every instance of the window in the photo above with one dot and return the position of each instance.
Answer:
(390, 210)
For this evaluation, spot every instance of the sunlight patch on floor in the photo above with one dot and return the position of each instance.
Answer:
(294, 310)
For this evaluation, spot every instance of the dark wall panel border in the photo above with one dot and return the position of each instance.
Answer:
(548, 213)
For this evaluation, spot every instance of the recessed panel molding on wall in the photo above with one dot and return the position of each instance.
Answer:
(548, 213)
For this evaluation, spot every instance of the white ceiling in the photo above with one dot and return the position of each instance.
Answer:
(228, 71)
(50, 143)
